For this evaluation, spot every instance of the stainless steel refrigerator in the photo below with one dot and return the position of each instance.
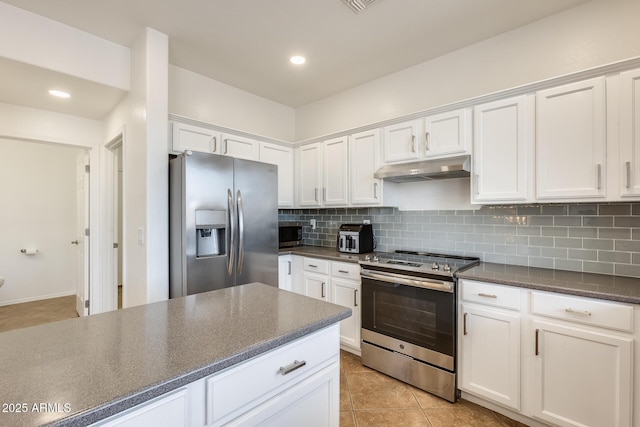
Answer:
(223, 227)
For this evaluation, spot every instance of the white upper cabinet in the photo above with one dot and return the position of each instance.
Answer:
(503, 151)
(365, 160)
(187, 137)
(335, 172)
(239, 147)
(629, 163)
(570, 141)
(402, 141)
(309, 174)
(283, 158)
(448, 133)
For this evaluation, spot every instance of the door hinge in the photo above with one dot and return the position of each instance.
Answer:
(86, 231)
(115, 246)
(87, 168)
(86, 303)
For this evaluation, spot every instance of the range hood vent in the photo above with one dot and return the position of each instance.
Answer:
(358, 5)
(426, 170)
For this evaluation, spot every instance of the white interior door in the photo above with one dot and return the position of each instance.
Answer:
(82, 234)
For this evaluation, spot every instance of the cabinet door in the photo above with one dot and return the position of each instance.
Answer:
(313, 401)
(335, 166)
(169, 411)
(630, 133)
(310, 167)
(347, 294)
(570, 141)
(581, 378)
(285, 272)
(188, 137)
(283, 158)
(402, 141)
(240, 147)
(502, 151)
(490, 354)
(447, 133)
(365, 160)
(316, 286)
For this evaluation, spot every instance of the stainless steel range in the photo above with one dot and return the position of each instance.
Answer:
(409, 317)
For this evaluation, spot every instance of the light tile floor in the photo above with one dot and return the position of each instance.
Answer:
(370, 399)
(34, 313)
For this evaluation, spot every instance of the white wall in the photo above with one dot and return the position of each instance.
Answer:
(39, 41)
(201, 98)
(596, 33)
(143, 116)
(37, 184)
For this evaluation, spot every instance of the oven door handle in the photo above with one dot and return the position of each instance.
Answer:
(401, 279)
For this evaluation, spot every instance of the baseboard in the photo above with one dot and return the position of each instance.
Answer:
(37, 298)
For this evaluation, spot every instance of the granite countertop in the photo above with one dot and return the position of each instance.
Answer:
(613, 288)
(324, 253)
(89, 368)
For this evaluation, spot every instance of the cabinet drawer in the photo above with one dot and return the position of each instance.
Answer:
(490, 294)
(345, 270)
(316, 265)
(239, 389)
(583, 310)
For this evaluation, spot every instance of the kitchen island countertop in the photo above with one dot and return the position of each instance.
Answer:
(90, 368)
(601, 286)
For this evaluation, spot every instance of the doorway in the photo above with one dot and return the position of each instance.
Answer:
(115, 171)
(44, 257)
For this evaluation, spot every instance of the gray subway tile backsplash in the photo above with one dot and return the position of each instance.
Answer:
(596, 238)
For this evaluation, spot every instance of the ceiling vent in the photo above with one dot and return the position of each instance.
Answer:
(359, 5)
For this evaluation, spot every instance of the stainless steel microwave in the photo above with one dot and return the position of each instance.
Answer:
(290, 235)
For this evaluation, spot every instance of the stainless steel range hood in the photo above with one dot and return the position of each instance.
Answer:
(426, 170)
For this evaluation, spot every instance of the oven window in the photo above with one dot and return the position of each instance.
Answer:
(419, 316)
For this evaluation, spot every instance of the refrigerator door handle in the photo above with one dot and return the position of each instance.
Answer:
(240, 232)
(232, 233)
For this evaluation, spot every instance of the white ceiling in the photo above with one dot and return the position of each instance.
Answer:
(247, 43)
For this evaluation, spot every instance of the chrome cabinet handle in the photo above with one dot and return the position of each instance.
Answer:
(464, 324)
(599, 175)
(477, 184)
(628, 167)
(232, 239)
(324, 194)
(487, 295)
(375, 190)
(581, 313)
(343, 271)
(289, 273)
(284, 370)
(315, 195)
(312, 266)
(323, 291)
(427, 145)
(537, 341)
(215, 143)
(413, 143)
(355, 297)
(240, 232)
(226, 146)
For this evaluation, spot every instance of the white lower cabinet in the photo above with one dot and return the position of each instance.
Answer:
(561, 360)
(580, 377)
(490, 342)
(337, 282)
(285, 272)
(167, 410)
(295, 384)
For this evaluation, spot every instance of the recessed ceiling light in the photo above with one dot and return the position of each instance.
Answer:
(59, 93)
(298, 60)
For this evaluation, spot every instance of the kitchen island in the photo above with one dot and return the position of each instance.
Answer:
(81, 371)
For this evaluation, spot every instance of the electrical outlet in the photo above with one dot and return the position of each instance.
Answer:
(313, 223)
(366, 221)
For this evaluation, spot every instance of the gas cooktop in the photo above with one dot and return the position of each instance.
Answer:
(420, 262)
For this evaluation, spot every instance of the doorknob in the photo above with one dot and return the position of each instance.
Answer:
(74, 242)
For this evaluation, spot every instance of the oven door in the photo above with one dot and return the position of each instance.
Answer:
(413, 316)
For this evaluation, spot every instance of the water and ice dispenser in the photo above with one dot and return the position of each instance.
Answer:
(211, 227)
